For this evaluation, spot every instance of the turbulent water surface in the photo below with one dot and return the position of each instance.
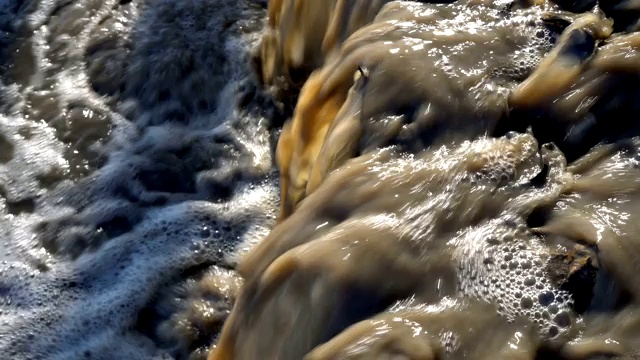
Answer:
(319, 179)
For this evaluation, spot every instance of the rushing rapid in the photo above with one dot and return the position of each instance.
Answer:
(136, 163)
(319, 179)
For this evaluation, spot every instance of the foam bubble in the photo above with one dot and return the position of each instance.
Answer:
(513, 264)
(128, 166)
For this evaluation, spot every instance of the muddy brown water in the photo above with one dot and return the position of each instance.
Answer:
(336, 179)
(458, 180)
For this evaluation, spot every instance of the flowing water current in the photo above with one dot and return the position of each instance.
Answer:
(319, 179)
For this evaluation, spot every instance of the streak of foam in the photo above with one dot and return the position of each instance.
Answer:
(175, 177)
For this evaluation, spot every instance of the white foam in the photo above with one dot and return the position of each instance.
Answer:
(92, 231)
(512, 274)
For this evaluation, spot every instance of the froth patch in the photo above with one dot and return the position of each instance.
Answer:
(32, 156)
(124, 197)
(419, 75)
(381, 228)
(98, 297)
(510, 272)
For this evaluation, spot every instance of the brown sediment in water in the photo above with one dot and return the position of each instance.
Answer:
(429, 331)
(398, 240)
(302, 34)
(421, 85)
(457, 181)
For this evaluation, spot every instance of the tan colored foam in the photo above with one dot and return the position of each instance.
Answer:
(310, 260)
(403, 73)
(304, 32)
(558, 70)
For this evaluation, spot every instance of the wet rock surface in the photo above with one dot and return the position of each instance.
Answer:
(576, 272)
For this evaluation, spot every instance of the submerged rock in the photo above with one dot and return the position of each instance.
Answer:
(576, 272)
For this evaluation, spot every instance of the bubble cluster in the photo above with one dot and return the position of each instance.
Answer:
(136, 165)
(31, 156)
(510, 161)
(541, 39)
(507, 267)
(127, 166)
